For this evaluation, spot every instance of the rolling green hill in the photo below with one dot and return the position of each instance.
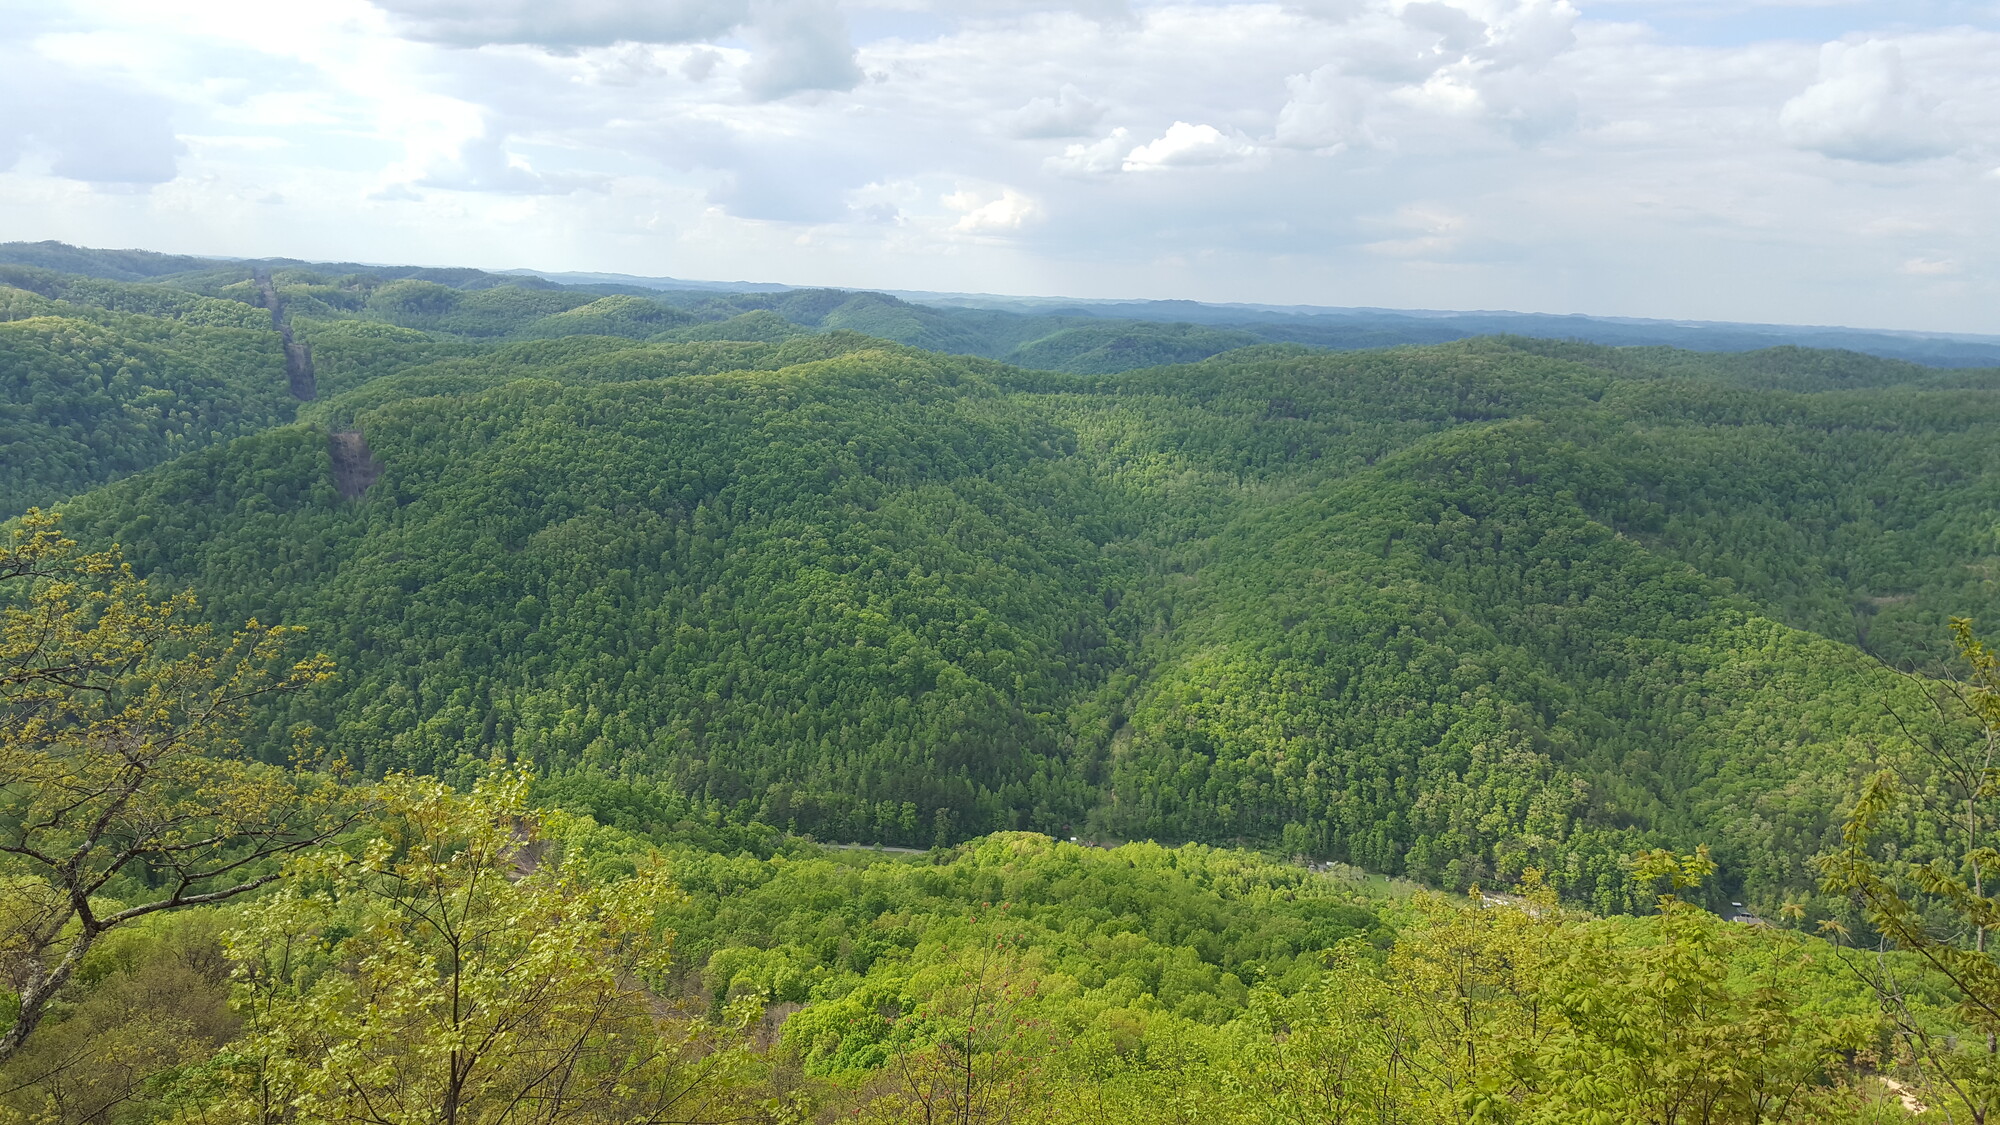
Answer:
(736, 572)
(100, 379)
(1448, 612)
(1103, 349)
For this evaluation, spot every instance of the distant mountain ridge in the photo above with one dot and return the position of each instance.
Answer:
(1311, 325)
(1346, 327)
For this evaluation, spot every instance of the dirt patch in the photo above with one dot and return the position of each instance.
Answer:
(354, 464)
(1911, 1103)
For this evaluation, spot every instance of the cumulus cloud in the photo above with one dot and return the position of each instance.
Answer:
(1068, 114)
(1422, 232)
(1094, 159)
(699, 121)
(1326, 110)
(1864, 108)
(790, 180)
(1451, 29)
(1333, 11)
(991, 212)
(1478, 62)
(700, 63)
(1184, 145)
(1930, 267)
(1110, 11)
(482, 163)
(1528, 33)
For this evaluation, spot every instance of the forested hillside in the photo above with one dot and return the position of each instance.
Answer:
(197, 937)
(1448, 612)
(626, 599)
(98, 380)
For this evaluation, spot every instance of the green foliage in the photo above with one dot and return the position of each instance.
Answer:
(1451, 613)
(1917, 859)
(90, 392)
(631, 316)
(347, 354)
(761, 325)
(448, 972)
(853, 470)
(482, 313)
(1101, 349)
(149, 1003)
(117, 265)
(118, 767)
(1192, 927)
(734, 572)
(103, 300)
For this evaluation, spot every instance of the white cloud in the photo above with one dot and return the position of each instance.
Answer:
(1068, 114)
(989, 212)
(1426, 232)
(1864, 108)
(1471, 61)
(1117, 11)
(1184, 145)
(1098, 157)
(802, 45)
(1336, 11)
(1528, 33)
(483, 163)
(1551, 149)
(700, 63)
(1326, 110)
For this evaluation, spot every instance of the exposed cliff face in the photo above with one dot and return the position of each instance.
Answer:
(299, 368)
(354, 464)
(298, 357)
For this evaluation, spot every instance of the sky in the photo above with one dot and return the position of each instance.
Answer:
(1785, 161)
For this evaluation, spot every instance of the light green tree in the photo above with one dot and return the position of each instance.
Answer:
(121, 793)
(1943, 909)
(1655, 1031)
(456, 972)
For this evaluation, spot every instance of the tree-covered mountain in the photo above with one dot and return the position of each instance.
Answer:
(1619, 628)
(1139, 332)
(98, 380)
(1446, 612)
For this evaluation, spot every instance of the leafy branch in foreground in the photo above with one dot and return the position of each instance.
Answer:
(120, 794)
(456, 971)
(1942, 909)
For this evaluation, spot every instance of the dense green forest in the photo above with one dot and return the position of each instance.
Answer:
(734, 573)
(193, 936)
(100, 380)
(86, 405)
(1445, 613)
